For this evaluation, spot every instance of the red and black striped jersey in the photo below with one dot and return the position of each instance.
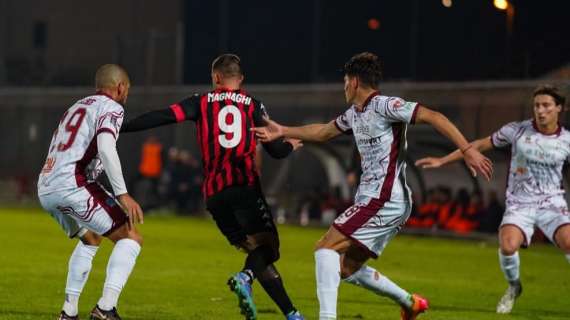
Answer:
(223, 120)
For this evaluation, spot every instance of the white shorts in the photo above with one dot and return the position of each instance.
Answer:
(372, 224)
(549, 215)
(86, 208)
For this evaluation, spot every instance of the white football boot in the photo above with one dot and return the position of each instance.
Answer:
(507, 301)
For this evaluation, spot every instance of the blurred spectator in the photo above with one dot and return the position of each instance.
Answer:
(426, 214)
(185, 181)
(166, 186)
(195, 183)
(444, 199)
(439, 210)
(150, 169)
(150, 166)
(465, 212)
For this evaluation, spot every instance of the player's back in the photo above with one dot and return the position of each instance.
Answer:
(72, 159)
(226, 142)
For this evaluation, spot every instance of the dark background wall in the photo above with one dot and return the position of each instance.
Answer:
(295, 41)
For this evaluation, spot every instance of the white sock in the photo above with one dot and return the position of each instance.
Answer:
(80, 264)
(510, 266)
(328, 279)
(121, 263)
(372, 280)
(568, 258)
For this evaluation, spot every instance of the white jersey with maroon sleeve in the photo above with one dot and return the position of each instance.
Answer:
(380, 135)
(72, 159)
(383, 201)
(536, 161)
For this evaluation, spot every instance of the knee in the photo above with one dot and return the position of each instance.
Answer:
(138, 238)
(349, 266)
(564, 244)
(91, 239)
(509, 246)
(347, 271)
(321, 244)
(134, 235)
(271, 253)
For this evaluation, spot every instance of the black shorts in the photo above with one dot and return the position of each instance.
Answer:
(240, 211)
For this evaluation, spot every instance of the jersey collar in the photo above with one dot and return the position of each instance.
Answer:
(367, 101)
(224, 89)
(555, 133)
(101, 93)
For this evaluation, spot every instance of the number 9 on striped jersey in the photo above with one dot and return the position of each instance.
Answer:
(234, 128)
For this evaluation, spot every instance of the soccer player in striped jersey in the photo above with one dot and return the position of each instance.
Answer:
(231, 184)
(383, 200)
(534, 196)
(82, 146)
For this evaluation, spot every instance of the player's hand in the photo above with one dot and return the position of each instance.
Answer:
(429, 163)
(131, 208)
(296, 143)
(476, 162)
(270, 132)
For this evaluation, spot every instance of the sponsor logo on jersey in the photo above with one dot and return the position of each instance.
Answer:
(362, 130)
(373, 140)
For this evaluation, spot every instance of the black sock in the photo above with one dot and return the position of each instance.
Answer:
(257, 260)
(271, 281)
(260, 262)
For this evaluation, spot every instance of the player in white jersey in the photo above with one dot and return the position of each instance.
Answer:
(383, 200)
(534, 195)
(83, 145)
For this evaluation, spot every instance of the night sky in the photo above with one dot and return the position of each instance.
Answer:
(305, 41)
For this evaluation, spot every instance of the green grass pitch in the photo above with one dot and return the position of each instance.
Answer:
(182, 271)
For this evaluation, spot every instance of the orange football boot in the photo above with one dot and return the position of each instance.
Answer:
(419, 305)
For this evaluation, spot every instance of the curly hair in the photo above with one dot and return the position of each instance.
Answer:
(366, 66)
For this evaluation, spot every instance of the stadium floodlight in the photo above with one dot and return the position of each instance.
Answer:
(501, 4)
(447, 3)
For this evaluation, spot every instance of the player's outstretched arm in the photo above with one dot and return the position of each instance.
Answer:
(187, 109)
(149, 120)
(313, 132)
(472, 157)
(482, 145)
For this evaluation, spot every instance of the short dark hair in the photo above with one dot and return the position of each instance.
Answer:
(366, 66)
(227, 64)
(552, 91)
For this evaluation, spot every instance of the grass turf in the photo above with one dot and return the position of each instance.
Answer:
(185, 262)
